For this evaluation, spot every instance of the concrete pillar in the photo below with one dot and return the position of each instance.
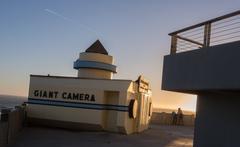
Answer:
(217, 120)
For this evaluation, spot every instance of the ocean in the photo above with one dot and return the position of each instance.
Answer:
(9, 101)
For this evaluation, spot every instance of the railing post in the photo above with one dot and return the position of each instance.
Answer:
(207, 35)
(173, 44)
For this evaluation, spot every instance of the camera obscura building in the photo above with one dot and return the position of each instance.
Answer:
(92, 100)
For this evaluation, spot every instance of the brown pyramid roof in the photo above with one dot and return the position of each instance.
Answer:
(97, 47)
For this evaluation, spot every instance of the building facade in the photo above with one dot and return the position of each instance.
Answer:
(92, 100)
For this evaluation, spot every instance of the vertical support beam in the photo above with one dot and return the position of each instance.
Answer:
(173, 44)
(207, 35)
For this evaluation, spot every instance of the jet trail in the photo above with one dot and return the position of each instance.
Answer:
(68, 19)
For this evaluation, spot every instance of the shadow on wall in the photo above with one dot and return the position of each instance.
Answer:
(164, 118)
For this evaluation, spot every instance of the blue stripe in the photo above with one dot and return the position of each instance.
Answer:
(93, 64)
(76, 102)
(78, 105)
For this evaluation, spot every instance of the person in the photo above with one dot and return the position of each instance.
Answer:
(174, 118)
(179, 117)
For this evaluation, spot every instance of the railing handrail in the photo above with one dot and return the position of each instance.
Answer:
(208, 32)
(206, 22)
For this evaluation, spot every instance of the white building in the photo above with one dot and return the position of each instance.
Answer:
(93, 100)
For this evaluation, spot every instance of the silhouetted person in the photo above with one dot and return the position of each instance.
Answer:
(179, 117)
(174, 118)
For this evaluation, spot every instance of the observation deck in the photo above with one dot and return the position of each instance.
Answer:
(204, 60)
(204, 57)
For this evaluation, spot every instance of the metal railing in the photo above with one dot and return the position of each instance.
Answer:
(220, 30)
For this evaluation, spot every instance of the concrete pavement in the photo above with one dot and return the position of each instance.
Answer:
(156, 136)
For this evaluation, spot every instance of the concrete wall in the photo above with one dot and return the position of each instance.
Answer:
(3, 134)
(217, 120)
(10, 125)
(166, 119)
(213, 68)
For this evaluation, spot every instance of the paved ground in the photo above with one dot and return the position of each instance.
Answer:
(156, 136)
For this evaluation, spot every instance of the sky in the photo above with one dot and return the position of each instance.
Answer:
(46, 36)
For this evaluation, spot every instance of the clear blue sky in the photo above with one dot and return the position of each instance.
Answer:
(46, 36)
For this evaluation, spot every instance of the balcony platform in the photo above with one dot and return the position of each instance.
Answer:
(214, 68)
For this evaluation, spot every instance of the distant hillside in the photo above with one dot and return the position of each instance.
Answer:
(171, 110)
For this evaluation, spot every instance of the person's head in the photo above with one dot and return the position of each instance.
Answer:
(179, 109)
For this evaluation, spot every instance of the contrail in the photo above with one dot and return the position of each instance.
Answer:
(68, 19)
(57, 14)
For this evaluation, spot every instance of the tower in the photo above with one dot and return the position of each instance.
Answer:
(95, 63)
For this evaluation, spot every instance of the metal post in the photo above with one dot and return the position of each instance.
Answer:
(207, 35)
(173, 44)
